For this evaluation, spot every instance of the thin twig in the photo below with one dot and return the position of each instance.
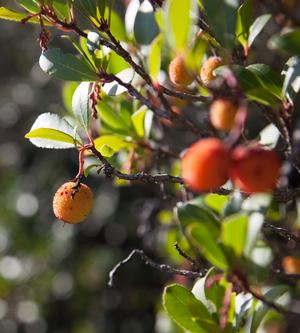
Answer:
(170, 115)
(184, 255)
(148, 261)
(285, 233)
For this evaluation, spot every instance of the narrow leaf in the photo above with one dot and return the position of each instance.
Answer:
(257, 27)
(179, 11)
(81, 105)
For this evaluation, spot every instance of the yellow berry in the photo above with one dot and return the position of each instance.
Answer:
(179, 73)
(206, 72)
(72, 209)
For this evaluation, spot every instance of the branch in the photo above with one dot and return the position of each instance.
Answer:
(109, 171)
(243, 282)
(148, 261)
(284, 233)
(170, 115)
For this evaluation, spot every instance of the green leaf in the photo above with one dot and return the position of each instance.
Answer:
(88, 7)
(179, 11)
(255, 224)
(67, 94)
(138, 121)
(244, 19)
(288, 42)
(270, 79)
(62, 9)
(252, 85)
(81, 105)
(216, 202)
(114, 88)
(222, 19)
(117, 27)
(188, 312)
(206, 242)
(113, 141)
(261, 309)
(106, 151)
(11, 15)
(231, 227)
(30, 5)
(145, 27)
(154, 60)
(85, 56)
(109, 116)
(199, 291)
(189, 213)
(291, 74)
(65, 66)
(50, 131)
(257, 27)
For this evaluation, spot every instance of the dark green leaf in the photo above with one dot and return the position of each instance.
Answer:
(189, 213)
(145, 26)
(207, 243)
(65, 66)
(270, 79)
(222, 19)
(30, 5)
(289, 42)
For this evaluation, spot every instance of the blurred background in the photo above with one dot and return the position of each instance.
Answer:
(53, 276)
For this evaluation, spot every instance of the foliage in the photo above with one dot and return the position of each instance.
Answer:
(120, 119)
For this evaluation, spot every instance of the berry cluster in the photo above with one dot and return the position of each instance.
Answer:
(209, 163)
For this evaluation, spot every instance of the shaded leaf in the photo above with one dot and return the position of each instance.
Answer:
(208, 245)
(65, 66)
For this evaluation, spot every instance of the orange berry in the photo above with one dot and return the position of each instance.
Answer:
(206, 164)
(291, 265)
(255, 169)
(222, 114)
(179, 73)
(206, 72)
(72, 209)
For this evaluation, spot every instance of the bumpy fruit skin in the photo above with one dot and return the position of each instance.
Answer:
(291, 265)
(206, 164)
(222, 114)
(179, 73)
(255, 169)
(206, 72)
(72, 210)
